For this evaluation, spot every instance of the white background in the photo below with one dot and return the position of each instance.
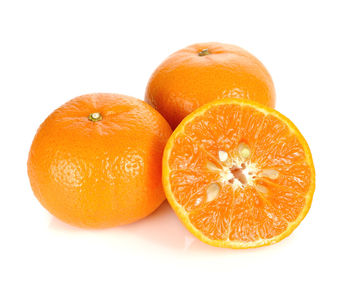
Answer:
(52, 51)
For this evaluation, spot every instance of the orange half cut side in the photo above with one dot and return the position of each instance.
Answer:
(238, 174)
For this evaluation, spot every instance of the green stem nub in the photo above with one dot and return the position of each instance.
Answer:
(204, 52)
(94, 117)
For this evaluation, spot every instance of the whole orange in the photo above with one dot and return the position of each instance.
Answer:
(96, 160)
(203, 72)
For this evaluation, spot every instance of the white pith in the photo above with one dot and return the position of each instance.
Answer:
(250, 171)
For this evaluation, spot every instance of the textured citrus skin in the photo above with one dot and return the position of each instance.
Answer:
(240, 217)
(99, 174)
(185, 81)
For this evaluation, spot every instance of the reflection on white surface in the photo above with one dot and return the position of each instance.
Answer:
(161, 228)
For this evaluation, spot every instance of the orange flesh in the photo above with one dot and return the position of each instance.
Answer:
(255, 209)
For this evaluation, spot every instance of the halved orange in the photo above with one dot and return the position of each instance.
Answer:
(238, 174)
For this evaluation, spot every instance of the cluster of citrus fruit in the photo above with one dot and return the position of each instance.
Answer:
(236, 172)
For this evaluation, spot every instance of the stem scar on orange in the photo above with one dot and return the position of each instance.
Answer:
(238, 174)
(96, 160)
(200, 73)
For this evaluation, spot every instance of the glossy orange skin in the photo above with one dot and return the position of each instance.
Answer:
(99, 174)
(185, 81)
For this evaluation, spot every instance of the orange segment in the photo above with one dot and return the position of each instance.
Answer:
(212, 138)
(213, 219)
(254, 219)
(277, 145)
(238, 174)
(288, 202)
(190, 186)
